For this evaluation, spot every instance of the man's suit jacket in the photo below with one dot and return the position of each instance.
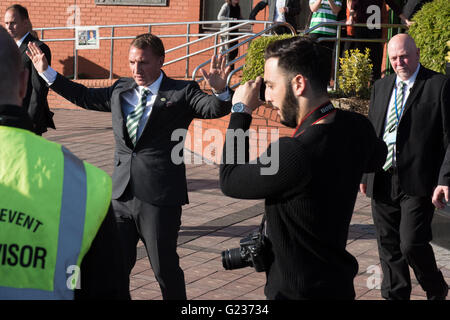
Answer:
(423, 132)
(35, 100)
(293, 10)
(148, 166)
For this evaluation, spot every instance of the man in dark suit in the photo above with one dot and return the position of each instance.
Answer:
(18, 24)
(410, 110)
(286, 12)
(149, 188)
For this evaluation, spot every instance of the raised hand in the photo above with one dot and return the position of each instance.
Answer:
(218, 73)
(37, 57)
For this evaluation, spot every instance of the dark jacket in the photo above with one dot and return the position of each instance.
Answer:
(35, 100)
(423, 133)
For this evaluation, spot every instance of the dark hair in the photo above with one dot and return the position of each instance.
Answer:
(298, 55)
(22, 11)
(148, 40)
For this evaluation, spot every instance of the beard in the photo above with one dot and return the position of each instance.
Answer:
(289, 113)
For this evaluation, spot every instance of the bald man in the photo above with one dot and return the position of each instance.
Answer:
(410, 110)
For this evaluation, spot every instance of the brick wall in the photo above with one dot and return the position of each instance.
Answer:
(95, 63)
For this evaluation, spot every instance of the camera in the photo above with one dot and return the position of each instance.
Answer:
(254, 251)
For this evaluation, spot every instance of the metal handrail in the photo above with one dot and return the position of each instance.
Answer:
(188, 35)
(265, 31)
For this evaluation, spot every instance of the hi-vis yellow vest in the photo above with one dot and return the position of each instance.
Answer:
(51, 207)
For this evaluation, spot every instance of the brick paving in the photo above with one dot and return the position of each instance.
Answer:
(213, 222)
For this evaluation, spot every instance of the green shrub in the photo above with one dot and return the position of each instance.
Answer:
(431, 31)
(254, 62)
(354, 74)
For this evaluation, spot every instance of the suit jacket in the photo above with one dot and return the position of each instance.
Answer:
(423, 132)
(35, 100)
(148, 166)
(292, 5)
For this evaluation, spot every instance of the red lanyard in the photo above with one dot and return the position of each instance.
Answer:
(313, 117)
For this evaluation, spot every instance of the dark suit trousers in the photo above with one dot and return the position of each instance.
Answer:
(157, 227)
(403, 225)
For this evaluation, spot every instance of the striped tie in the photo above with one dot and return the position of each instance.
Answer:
(391, 123)
(135, 116)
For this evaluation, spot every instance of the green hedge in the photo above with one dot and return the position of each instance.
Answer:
(431, 31)
(254, 62)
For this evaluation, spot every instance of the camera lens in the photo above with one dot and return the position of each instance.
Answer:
(231, 259)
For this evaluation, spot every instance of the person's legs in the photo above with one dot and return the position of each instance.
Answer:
(396, 284)
(415, 235)
(158, 227)
(386, 212)
(126, 227)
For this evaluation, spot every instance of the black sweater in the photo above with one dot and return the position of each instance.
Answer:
(309, 203)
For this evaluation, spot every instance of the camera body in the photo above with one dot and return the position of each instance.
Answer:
(254, 251)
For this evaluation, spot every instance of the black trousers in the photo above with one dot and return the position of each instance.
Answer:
(157, 227)
(403, 225)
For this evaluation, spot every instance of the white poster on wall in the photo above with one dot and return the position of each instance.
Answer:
(87, 38)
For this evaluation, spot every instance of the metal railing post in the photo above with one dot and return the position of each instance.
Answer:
(111, 57)
(336, 62)
(188, 27)
(75, 63)
(215, 44)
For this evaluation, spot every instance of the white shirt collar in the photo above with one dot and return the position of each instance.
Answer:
(19, 43)
(154, 87)
(411, 79)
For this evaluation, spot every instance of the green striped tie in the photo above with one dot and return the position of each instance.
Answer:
(134, 117)
(391, 123)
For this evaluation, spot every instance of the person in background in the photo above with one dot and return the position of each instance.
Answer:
(325, 11)
(410, 111)
(361, 11)
(18, 24)
(279, 11)
(230, 11)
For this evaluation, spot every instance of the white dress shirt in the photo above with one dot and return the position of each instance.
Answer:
(19, 42)
(409, 83)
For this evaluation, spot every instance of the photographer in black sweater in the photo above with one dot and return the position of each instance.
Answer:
(309, 200)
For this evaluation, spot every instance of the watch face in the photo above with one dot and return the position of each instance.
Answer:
(238, 107)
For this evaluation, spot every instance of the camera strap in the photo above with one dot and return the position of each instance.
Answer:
(313, 117)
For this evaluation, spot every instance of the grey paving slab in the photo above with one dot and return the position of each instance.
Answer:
(213, 222)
